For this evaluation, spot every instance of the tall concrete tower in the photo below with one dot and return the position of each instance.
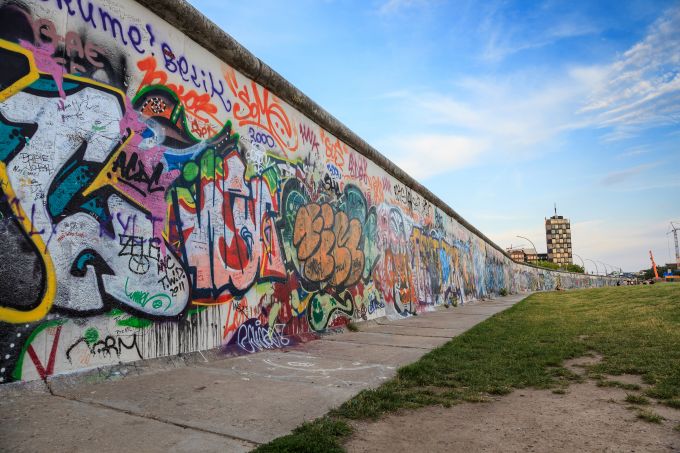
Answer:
(558, 239)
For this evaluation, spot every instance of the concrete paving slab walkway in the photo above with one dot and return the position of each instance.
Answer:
(225, 403)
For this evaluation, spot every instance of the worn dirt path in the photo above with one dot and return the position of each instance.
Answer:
(587, 418)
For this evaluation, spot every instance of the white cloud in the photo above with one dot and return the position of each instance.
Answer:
(635, 151)
(617, 177)
(590, 77)
(423, 155)
(543, 26)
(642, 87)
(506, 117)
(523, 113)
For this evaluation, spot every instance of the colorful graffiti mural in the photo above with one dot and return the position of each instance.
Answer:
(154, 202)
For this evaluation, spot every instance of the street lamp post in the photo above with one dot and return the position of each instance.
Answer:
(597, 271)
(532, 244)
(582, 263)
(605, 267)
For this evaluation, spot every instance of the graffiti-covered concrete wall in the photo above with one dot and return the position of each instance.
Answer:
(156, 199)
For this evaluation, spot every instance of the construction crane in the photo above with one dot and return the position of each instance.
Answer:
(656, 273)
(674, 230)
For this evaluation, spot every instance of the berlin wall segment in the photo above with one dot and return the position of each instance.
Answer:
(156, 201)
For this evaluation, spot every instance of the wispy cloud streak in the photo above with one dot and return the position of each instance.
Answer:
(618, 177)
(641, 89)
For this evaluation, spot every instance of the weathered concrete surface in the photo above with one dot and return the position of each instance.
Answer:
(385, 339)
(437, 332)
(41, 422)
(216, 400)
(386, 355)
(224, 404)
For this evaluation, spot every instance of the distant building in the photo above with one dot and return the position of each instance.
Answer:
(516, 255)
(558, 239)
(524, 255)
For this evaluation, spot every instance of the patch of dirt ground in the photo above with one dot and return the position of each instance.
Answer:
(579, 365)
(587, 418)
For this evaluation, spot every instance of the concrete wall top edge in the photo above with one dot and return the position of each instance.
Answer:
(190, 21)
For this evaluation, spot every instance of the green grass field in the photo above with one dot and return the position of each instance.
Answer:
(636, 330)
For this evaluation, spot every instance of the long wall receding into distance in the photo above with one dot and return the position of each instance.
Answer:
(162, 191)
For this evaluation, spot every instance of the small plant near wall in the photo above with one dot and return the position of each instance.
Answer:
(503, 292)
(451, 302)
(352, 327)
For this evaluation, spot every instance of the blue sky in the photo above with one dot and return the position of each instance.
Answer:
(501, 108)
